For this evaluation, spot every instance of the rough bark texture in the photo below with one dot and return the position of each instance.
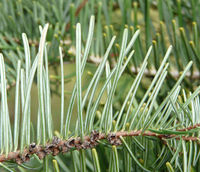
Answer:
(62, 146)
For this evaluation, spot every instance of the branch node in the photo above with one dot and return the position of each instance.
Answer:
(113, 139)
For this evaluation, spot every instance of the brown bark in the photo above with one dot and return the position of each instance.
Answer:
(62, 146)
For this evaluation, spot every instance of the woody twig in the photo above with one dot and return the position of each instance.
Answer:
(63, 146)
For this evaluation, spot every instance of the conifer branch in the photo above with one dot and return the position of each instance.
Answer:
(58, 145)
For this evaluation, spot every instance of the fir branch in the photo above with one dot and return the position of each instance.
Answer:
(90, 141)
(195, 75)
(173, 73)
(189, 128)
(134, 71)
(36, 43)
